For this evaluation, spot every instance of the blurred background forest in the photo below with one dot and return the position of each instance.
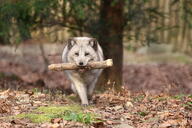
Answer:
(150, 41)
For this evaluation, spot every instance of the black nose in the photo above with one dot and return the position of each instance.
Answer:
(81, 63)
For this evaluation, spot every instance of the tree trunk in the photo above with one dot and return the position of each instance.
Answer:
(111, 40)
(1, 40)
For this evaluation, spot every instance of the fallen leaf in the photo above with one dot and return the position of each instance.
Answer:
(169, 123)
(98, 125)
(17, 121)
(56, 120)
(127, 105)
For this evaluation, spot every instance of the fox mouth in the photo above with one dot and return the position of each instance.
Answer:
(82, 69)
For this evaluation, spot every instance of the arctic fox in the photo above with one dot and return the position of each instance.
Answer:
(81, 50)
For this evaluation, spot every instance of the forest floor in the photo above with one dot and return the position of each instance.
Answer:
(31, 108)
(156, 95)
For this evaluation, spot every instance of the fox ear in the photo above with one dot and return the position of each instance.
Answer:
(70, 43)
(93, 42)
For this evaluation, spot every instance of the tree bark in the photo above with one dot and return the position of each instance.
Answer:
(1, 40)
(111, 39)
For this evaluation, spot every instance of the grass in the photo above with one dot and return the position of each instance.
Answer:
(36, 90)
(73, 98)
(188, 105)
(10, 76)
(2, 75)
(35, 118)
(177, 58)
(190, 96)
(138, 98)
(143, 113)
(179, 96)
(174, 58)
(162, 98)
(69, 112)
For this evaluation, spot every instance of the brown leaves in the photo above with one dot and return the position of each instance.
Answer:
(189, 118)
(114, 109)
(169, 123)
(145, 110)
(17, 121)
(5, 107)
(56, 120)
(99, 125)
(6, 99)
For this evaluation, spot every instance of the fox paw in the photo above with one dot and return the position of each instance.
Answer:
(84, 105)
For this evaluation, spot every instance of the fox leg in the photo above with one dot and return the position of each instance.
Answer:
(91, 88)
(79, 87)
(81, 90)
(73, 88)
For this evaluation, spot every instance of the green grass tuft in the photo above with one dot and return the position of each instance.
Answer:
(190, 96)
(162, 98)
(2, 75)
(138, 98)
(188, 105)
(179, 96)
(35, 118)
(143, 113)
(70, 113)
(73, 98)
(59, 109)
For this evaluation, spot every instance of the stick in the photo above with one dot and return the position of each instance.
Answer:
(73, 66)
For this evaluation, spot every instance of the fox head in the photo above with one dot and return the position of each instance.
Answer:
(82, 50)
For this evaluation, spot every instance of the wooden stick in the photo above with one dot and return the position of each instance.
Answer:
(73, 66)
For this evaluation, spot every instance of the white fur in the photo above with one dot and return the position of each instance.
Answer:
(83, 83)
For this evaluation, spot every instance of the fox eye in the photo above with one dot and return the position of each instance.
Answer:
(77, 54)
(86, 54)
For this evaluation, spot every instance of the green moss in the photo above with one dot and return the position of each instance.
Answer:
(35, 118)
(59, 109)
(86, 118)
(73, 98)
(69, 112)
(162, 98)
(9, 76)
(188, 105)
(143, 113)
(36, 90)
(2, 75)
(138, 98)
(179, 96)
